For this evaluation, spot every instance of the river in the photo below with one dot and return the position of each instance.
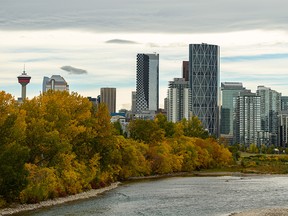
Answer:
(201, 196)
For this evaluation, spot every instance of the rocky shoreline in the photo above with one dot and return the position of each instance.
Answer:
(84, 195)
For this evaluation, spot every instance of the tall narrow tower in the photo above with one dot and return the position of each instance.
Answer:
(204, 81)
(147, 82)
(24, 79)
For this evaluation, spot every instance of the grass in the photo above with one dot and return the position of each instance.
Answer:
(264, 163)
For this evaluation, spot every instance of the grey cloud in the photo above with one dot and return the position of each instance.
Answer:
(73, 70)
(120, 41)
(185, 16)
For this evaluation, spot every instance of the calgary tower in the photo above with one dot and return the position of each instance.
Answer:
(24, 79)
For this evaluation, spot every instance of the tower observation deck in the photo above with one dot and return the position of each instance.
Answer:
(24, 79)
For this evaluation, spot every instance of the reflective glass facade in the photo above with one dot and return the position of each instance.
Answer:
(204, 84)
(229, 90)
(269, 111)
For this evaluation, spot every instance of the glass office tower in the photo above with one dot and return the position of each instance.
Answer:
(229, 90)
(204, 84)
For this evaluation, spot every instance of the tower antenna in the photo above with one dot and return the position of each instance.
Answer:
(24, 72)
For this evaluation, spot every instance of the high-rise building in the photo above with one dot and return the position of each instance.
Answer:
(108, 96)
(55, 83)
(204, 83)
(178, 100)
(270, 106)
(284, 103)
(23, 79)
(185, 70)
(247, 118)
(283, 128)
(165, 104)
(133, 104)
(147, 83)
(229, 90)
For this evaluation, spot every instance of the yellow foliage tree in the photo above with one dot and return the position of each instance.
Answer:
(43, 184)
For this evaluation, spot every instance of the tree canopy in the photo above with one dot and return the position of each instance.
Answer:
(58, 144)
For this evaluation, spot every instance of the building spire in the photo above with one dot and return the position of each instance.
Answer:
(24, 73)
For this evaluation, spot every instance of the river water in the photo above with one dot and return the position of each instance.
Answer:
(181, 196)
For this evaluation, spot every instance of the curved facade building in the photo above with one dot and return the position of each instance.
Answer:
(55, 83)
(204, 81)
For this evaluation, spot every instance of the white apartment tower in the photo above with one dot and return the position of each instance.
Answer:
(178, 100)
(247, 118)
(270, 107)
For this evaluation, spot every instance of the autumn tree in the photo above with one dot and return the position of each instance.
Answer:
(55, 122)
(164, 124)
(13, 154)
(147, 131)
(132, 158)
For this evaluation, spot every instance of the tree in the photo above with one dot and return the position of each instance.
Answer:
(147, 131)
(168, 127)
(118, 128)
(253, 148)
(56, 122)
(194, 128)
(13, 154)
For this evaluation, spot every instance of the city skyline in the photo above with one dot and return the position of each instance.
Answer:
(90, 49)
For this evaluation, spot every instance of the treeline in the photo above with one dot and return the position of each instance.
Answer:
(58, 144)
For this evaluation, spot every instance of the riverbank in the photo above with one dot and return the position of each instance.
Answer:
(263, 212)
(84, 195)
(190, 174)
(17, 208)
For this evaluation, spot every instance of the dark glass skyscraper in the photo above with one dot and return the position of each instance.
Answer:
(147, 83)
(204, 81)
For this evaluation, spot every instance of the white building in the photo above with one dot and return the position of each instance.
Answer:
(56, 82)
(270, 106)
(178, 100)
(247, 118)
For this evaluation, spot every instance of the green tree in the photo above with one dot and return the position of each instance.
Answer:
(118, 128)
(253, 148)
(168, 127)
(13, 154)
(194, 128)
(147, 131)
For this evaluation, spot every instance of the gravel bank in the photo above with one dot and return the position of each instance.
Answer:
(57, 201)
(264, 212)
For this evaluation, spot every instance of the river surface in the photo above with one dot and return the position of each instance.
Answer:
(181, 196)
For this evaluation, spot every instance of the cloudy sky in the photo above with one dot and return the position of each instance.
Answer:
(93, 43)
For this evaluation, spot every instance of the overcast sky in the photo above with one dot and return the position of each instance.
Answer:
(93, 43)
